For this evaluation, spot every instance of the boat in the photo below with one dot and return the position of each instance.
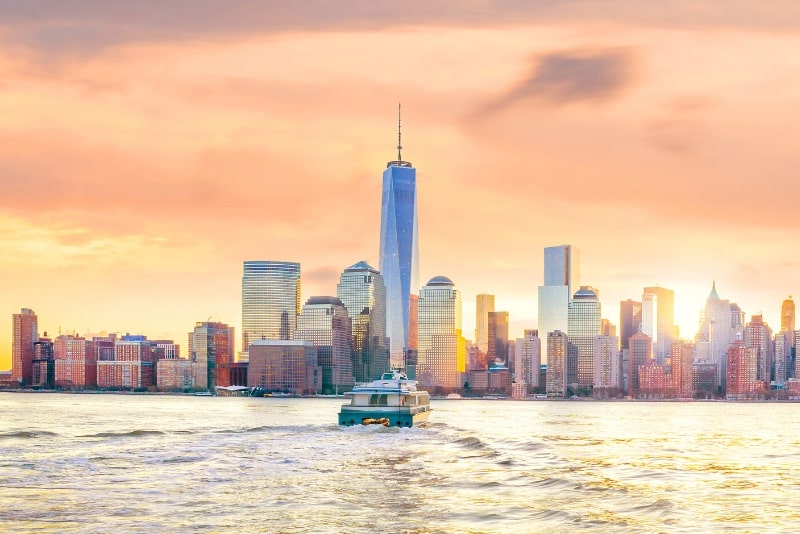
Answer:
(392, 400)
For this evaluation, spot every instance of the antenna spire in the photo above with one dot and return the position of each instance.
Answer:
(399, 144)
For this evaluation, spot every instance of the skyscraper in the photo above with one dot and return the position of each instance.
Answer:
(630, 319)
(363, 293)
(270, 300)
(561, 275)
(664, 320)
(442, 356)
(25, 334)
(606, 363)
(758, 334)
(720, 324)
(583, 327)
(399, 255)
(787, 315)
(528, 358)
(325, 323)
(497, 346)
(485, 304)
(640, 353)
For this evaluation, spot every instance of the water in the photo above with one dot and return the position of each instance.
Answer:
(135, 463)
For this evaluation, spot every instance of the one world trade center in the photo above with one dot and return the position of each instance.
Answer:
(399, 256)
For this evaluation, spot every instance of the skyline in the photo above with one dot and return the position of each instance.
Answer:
(142, 163)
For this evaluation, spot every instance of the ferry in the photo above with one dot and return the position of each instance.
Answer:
(392, 400)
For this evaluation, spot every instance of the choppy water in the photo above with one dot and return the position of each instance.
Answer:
(125, 463)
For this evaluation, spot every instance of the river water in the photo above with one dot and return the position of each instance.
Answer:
(145, 463)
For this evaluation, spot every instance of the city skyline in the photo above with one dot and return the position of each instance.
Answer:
(132, 189)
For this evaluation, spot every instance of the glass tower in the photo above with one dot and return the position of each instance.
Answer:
(484, 305)
(561, 276)
(399, 256)
(363, 293)
(584, 326)
(270, 300)
(325, 323)
(442, 348)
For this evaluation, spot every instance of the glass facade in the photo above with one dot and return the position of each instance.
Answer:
(484, 305)
(553, 313)
(442, 354)
(584, 326)
(363, 293)
(561, 276)
(561, 267)
(399, 256)
(665, 332)
(325, 323)
(270, 300)
(498, 337)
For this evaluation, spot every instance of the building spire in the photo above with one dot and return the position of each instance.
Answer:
(399, 144)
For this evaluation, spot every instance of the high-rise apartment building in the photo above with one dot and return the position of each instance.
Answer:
(442, 357)
(556, 377)
(528, 359)
(742, 370)
(484, 305)
(606, 363)
(24, 335)
(399, 256)
(497, 346)
(758, 334)
(783, 356)
(583, 327)
(76, 362)
(363, 293)
(270, 300)
(681, 360)
(561, 277)
(324, 321)
(211, 350)
(630, 320)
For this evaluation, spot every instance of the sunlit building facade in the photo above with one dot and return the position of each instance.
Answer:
(363, 293)
(561, 278)
(787, 315)
(681, 360)
(783, 356)
(270, 300)
(528, 359)
(742, 372)
(606, 363)
(325, 323)
(484, 305)
(442, 357)
(24, 335)
(721, 323)
(399, 257)
(583, 327)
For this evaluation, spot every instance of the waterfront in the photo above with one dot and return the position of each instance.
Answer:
(138, 463)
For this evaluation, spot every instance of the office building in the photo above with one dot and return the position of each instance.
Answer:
(561, 278)
(484, 305)
(270, 300)
(630, 320)
(640, 353)
(658, 315)
(721, 323)
(442, 348)
(787, 315)
(783, 356)
(284, 366)
(758, 334)
(681, 360)
(399, 256)
(583, 327)
(497, 337)
(325, 323)
(742, 370)
(363, 293)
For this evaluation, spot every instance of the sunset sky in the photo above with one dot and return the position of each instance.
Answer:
(147, 150)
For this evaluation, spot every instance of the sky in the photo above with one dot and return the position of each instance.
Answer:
(147, 150)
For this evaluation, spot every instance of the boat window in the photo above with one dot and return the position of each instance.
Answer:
(378, 400)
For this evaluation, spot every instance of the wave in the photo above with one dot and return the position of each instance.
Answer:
(132, 433)
(26, 434)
